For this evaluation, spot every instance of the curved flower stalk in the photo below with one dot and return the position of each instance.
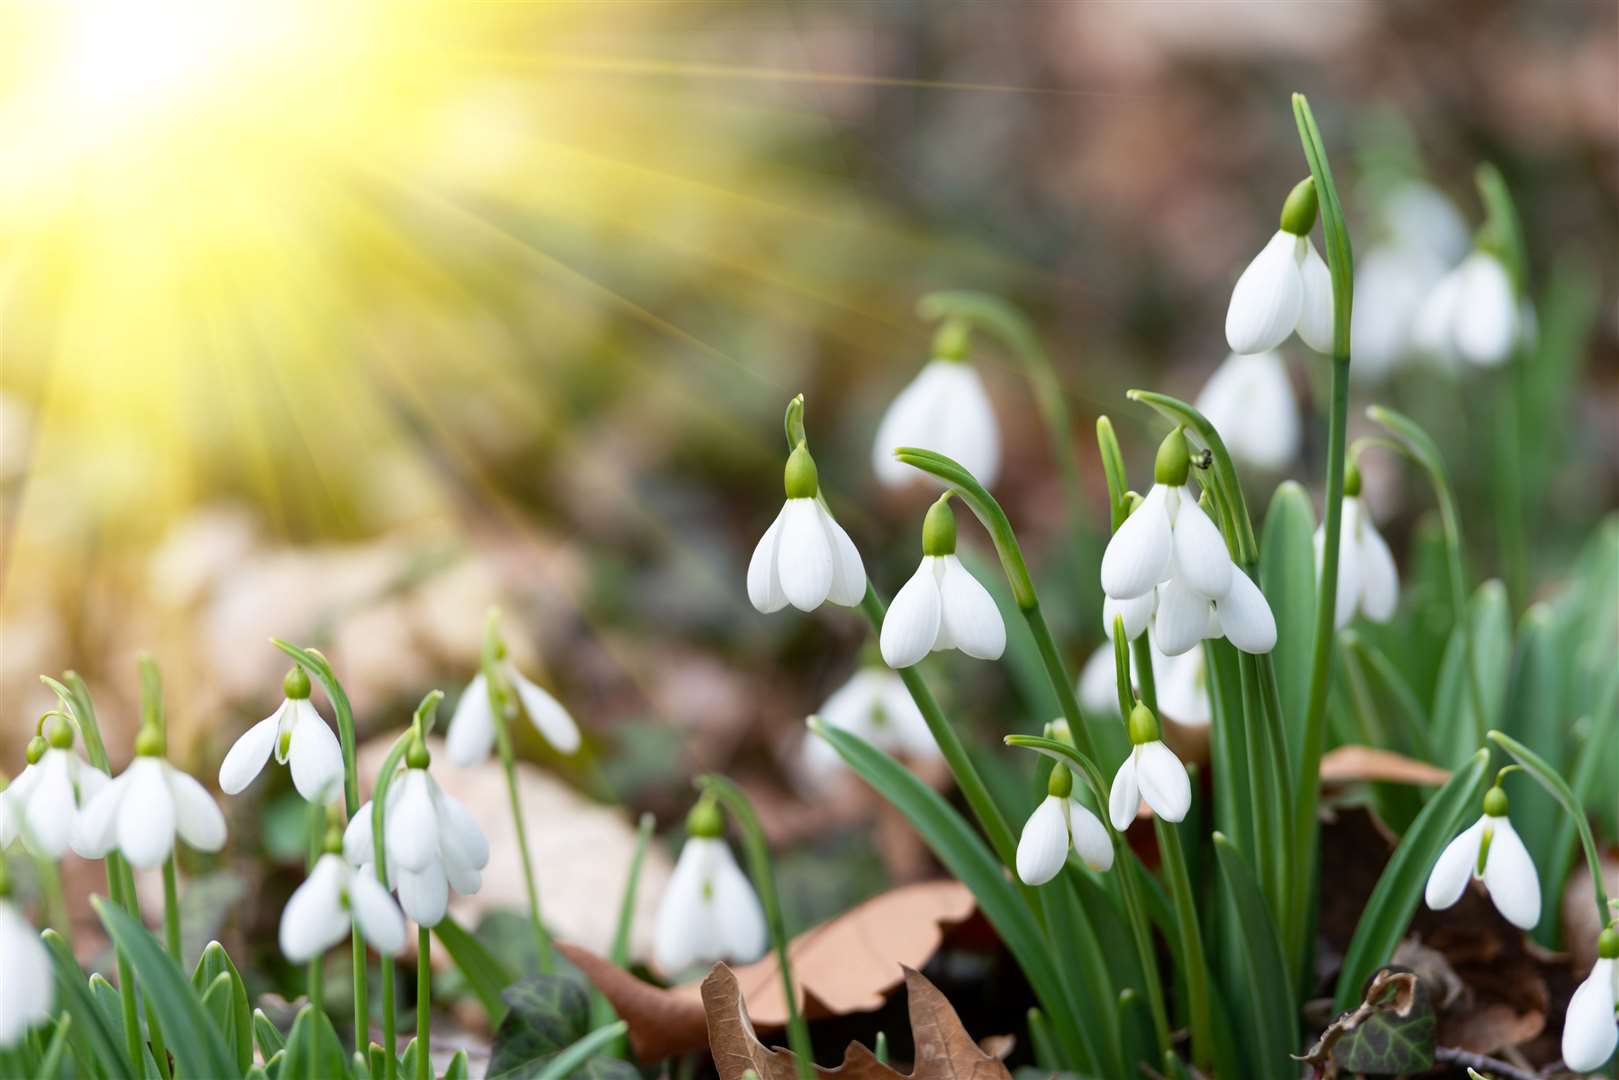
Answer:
(294, 735)
(1151, 772)
(709, 911)
(42, 804)
(942, 606)
(1058, 823)
(945, 408)
(140, 813)
(1490, 851)
(1287, 287)
(1250, 401)
(430, 841)
(1591, 1031)
(804, 558)
(333, 900)
(30, 987)
(471, 735)
(1368, 581)
(875, 705)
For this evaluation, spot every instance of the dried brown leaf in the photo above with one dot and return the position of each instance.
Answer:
(1351, 764)
(944, 1050)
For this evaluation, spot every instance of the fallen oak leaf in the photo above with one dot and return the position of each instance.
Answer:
(1354, 764)
(944, 1050)
(848, 964)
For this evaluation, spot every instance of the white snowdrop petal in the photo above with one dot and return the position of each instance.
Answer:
(30, 988)
(1485, 323)
(377, 914)
(1183, 691)
(424, 894)
(458, 829)
(852, 705)
(1509, 875)
(196, 816)
(764, 583)
(904, 424)
(737, 911)
(315, 756)
(471, 735)
(357, 845)
(314, 920)
(848, 572)
(10, 818)
(1090, 837)
(1183, 617)
(1099, 682)
(1455, 865)
(1245, 616)
(1432, 328)
(1590, 1033)
(146, 815)
(1164, 783)
(1250, 402)
(246, 758)
(90, 780)
(1202, 562)
(910, 731)
(1136, 613)
(969, 613)
(1124, 798)
(803, 555)
(961, 424)
(1379, 578)
(1138, 555)
(50, 809)
(1390, 283)
(1042, 850)
(912, 624)
(683, 930)
(1267, 298)
(95, 832)
(546, 713)
(1315, 307)
(410, 830)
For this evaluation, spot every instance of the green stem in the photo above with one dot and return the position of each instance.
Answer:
(503, 743)
(764, 881)
(1509, 504)
(424, 1003)
(390, 1023)
(50, 882)
(131, 1014)
(1192, 958)
(171, 911)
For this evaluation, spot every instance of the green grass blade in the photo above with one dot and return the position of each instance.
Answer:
(483, 970)
(97, 1042)
(565, 1062)
(1591, 763)
(1259, 990)
(313, 1051)
(1287, 578)
(268, 1037)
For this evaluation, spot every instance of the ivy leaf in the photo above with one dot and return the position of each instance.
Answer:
(546, 1015)
(1391, 1032)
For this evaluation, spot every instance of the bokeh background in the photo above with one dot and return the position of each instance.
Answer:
(343, 323)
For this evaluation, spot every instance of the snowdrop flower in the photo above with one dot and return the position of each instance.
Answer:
(43, 802)
(1058, 822)
(1168, 531)
(804, 558)
(430, 840)
(874, 705)
(1390, 284)
(1471, 313)
(30, 989)
(142, 811)
(294, 734)
(472, 728)
(1590, 1033)
(942, 606)
(1367, 579)
(1183, 690)
(944, 409)
(333, 899)
(1418, 216)
(708, 911)
(1152, 771)
(1491, 851)
(1287, 287)
(1250, 402)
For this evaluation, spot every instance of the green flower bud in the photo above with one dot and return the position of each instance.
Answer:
(1608, 944)
(705, 820)
(1298, 212)
(59, 733)
(1143, 725)
(333, 844)
(1352, 480)
(1174, 460)
(939, 528)
(950, 342)
(295, 684)
(36, 749)
(1058, 729)
(801, 479)
(149, 742)
(1495, 802)
(1061, 783)
(416, 754)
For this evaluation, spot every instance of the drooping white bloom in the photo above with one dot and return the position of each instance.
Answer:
(1242, 616)
(1182, 682)
(1250, 402)
(1167, 532)
(334, 898)
(874, 705)
(944, 409)
(28, 993)
(1390, 284)
(1471, 313)
(44, 801)
(1591, 1031)
(708, 911)
(430, 839)
(1491, 851)
(804, 558)
(942, 606)
(141, 812)
(1151, 772)
(294, 734)
(1061, 821)
(1286, 288)
(472, 728)
(1367, 579)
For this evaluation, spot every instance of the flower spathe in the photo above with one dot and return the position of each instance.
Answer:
(804, 558)
(1591, 1030)
(333, 899)
(708, 911)
(944, 409)
(1491, 851)
(431, 841)
(28, 993)
(1250, 402)
(1368, 581)
(1060, 822)
(875, 705)
(1471, 313)
(294, 735)
(142, 811)
(472, 729)
(45, 800)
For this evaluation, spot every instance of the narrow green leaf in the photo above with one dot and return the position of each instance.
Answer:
(197, 1048)
(484, 972)
(1287, 578)
(458, 1068)
(267, 1035)
(313, 1050)
(50, 1063)
(1384, 919)
(1259, 992)
(214, 962)
(234, 1026)
(97, 1043)
(1489, 629)
(568, 1060)
(1592, 762)
(1547, 777)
